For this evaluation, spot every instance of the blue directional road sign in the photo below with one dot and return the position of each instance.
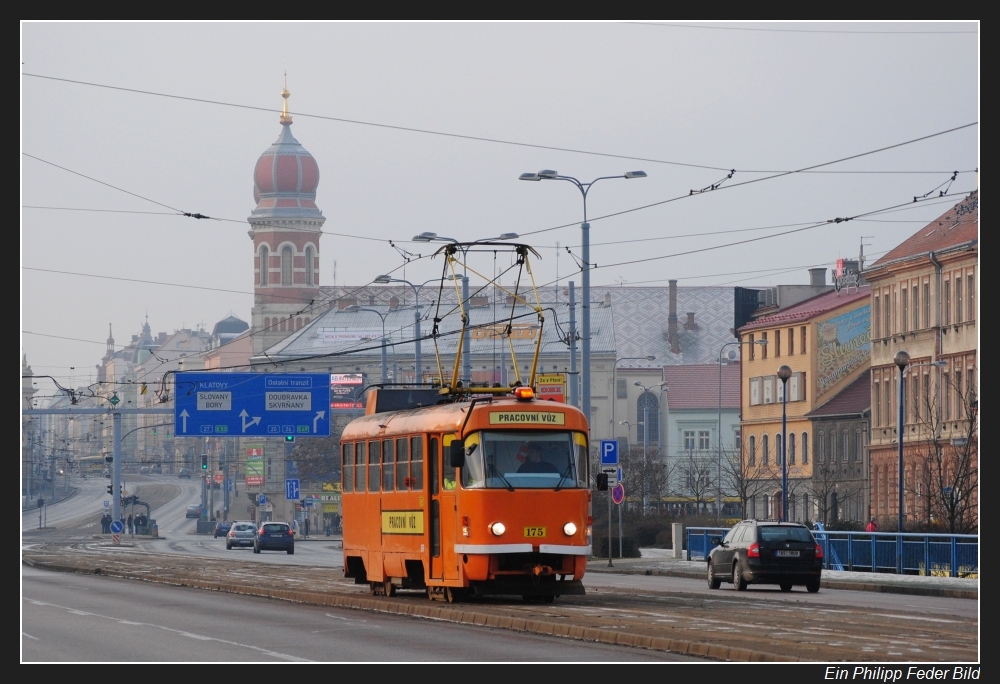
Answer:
(252, 405)
(292, 490)
(117, 527)
(609, 452)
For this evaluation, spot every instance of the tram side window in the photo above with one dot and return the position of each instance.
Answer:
(388, 472)
(448, 474)
(402, 469)
(416, 463)
(373, 463)
(359, 467)
(432, 464)
(347, 466)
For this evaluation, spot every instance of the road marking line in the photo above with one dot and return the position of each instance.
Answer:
(29, 636)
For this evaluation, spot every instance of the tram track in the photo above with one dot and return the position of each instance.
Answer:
(720, 627)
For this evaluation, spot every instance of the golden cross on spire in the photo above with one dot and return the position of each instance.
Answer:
(285, 117)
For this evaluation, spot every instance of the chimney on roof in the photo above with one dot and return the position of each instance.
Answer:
(607, 300)
(371, 300)
(509, 301)
(345, 302)
(479, 300)
(689, 325)
(393, 303)
(672, 337)
(817, 277)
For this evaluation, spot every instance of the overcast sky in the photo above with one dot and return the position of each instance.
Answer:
(776, 98)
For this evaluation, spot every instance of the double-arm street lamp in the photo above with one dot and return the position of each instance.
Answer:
(645, 441)
(718, 498)
(584, 188)
(902, 360)
(384, 280)
(428, 236)
(382, 316)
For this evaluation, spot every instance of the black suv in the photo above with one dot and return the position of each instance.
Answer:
(766, 552)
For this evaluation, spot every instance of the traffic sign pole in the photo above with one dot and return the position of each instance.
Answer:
(609, 465)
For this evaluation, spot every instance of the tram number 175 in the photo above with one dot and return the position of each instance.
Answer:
(535, 532)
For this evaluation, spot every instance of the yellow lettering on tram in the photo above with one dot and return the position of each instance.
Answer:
(527, 418)
(402, 522)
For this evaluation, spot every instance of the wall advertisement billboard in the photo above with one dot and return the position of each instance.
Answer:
(255, 465)
(844, 344)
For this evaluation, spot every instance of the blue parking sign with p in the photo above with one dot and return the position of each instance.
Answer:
(609, 452)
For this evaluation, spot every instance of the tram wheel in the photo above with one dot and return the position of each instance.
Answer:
(388, 589)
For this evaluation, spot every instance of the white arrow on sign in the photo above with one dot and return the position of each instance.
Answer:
(184, 420)
(319, 417)
(254, 421)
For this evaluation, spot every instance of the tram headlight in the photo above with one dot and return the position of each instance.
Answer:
(498, 528)
(570, 529)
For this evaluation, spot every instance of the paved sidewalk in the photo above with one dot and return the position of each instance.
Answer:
(660, 562)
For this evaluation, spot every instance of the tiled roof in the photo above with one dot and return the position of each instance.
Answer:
(808, 309)
(851, 400)
(697, 386)
(957, 226)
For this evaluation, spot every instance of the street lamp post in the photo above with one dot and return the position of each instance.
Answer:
(645, 444)
(384, 279)
(584, 188)
(614, 387)
(466, 339)
(385, 369)
(783, 374)
(718, 499)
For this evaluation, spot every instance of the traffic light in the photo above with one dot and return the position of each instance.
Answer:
(204, 461)
(111, 489)
(109, 459)
(289, 439)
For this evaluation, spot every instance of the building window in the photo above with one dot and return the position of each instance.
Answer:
(765, 457)
(958, 299)
(904, 310)
(689, 440)
(916, 306)
(704, 442)
(886, 316)
(753, 450)
(791, 448)
(777, 343)
(971, 296)
(802, 340)
(859, 445)
(833, 447)
(925, 402)
(877, 332)
(927, 305)
(947, 302)
(845, 446)
(915, 399)
(777, 450)
(264, 264)
(310, 267)
(805, 448)
(621, 388)
(959, 399)
(286, 265)
(763, 347)
(946, 396)
(753, 351)
(791, 341)
(877, 405)
(648, 408)
(821, 446)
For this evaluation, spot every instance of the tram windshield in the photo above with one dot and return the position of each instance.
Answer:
(525, 460)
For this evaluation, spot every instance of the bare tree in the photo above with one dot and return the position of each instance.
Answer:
(746, 480)
(318, 458)
(829, 490)
(949, 467)
(645, 472)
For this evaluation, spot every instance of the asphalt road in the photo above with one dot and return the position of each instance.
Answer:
(82, 618)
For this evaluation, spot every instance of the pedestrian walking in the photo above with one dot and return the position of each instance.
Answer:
(128, 520)
(307, 527)
(295, 526)
(872, 526)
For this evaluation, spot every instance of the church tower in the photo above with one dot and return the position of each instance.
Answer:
(285, 227)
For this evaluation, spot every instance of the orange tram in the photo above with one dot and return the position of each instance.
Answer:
(485, 496)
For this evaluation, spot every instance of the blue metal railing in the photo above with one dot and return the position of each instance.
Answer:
(914, 553)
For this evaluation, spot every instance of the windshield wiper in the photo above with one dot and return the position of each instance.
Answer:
(565, 475)
(496, 473)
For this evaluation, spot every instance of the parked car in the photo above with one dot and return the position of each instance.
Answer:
(765, 552)
(193, 511)
(144, 470)
(222, 528)
(185, 473)
(274, 536)
(241, 534)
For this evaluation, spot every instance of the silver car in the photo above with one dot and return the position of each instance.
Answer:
(240, 534)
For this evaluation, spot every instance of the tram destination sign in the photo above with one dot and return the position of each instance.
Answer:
(252, 405)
